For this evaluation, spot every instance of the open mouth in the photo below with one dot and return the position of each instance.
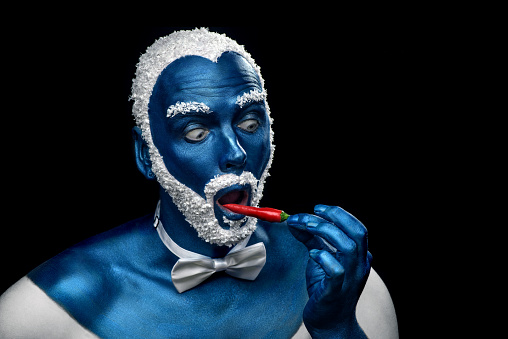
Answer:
(233, 195)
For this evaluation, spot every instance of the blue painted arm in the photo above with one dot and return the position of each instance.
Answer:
(335, 276)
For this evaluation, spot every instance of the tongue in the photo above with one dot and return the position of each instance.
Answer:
(231, 198)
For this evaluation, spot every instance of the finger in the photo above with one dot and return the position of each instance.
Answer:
(331, 266)
(303, 225)
(335, 236)
(302, 219)
(351, 226)
(298, 227)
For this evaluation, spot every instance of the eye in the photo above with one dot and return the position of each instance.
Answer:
(249, 125)
(197, 134)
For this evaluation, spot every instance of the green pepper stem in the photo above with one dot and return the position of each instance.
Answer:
(284, 216)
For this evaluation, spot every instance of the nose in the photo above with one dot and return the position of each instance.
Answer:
(233, 156)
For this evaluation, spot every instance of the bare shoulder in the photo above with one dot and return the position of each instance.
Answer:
(27, 312)
(375, 311)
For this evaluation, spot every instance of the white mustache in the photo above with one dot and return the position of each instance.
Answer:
(227, 180)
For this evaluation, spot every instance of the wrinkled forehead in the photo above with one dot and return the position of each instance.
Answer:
(197, 79)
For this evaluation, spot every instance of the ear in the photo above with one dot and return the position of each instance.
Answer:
(142, 155)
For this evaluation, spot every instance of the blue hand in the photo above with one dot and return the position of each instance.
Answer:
(337, 270)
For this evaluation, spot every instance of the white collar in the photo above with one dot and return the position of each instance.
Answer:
(179, 251)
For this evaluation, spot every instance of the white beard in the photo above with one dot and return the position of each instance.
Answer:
(199, 213)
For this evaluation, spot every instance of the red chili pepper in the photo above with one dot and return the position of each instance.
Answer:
(263, 213)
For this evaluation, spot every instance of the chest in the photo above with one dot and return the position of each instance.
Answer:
(221, 307)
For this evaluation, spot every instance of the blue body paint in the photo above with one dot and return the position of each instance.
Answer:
(226, 148)
(118, 284)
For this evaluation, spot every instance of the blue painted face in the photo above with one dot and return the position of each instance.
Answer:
(198, 146)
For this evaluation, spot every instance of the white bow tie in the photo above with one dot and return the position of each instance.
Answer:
(193, 268)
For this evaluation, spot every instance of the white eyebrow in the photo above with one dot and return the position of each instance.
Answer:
(254, 95)
(186, 107)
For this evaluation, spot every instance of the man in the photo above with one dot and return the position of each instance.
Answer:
(204, 133)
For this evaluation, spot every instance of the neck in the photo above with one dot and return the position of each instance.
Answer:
(182, 233)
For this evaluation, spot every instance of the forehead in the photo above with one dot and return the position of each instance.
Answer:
(197, 79)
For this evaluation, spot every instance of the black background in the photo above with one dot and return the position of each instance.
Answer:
(353, 110)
